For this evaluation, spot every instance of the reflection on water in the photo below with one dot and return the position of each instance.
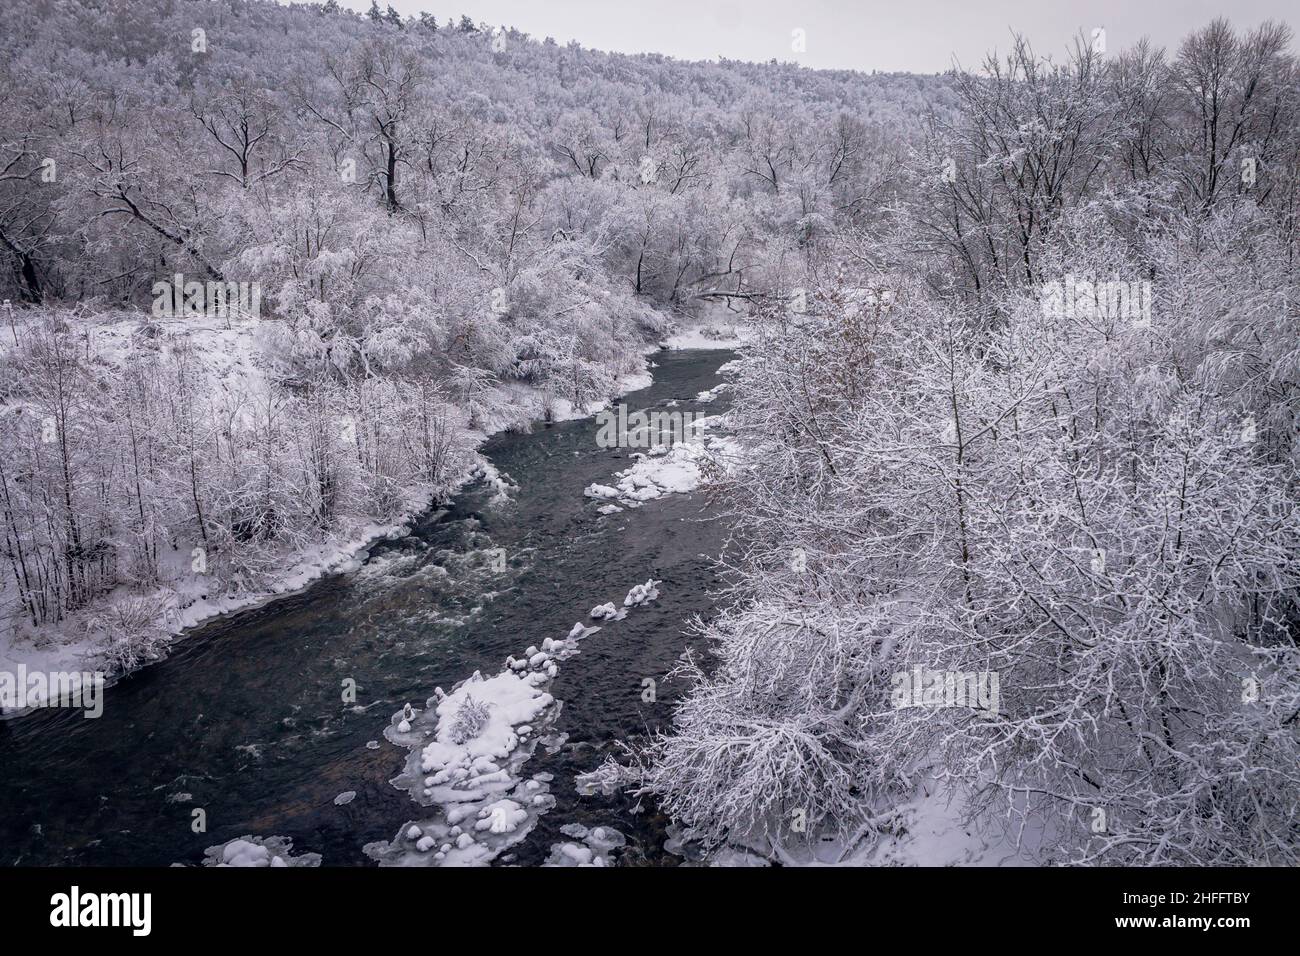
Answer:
(247, 718)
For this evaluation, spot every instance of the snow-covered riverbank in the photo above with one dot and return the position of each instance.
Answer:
(237, 360)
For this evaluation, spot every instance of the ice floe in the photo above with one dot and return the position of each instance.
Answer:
(711, 394)
(596, 847)
(499, 482)
(642, 594)
(251, 851)
(667, 469)
(466, 753)
(605, 779)
(607, 612)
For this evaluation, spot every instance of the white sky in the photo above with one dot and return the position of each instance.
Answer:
(921, 36)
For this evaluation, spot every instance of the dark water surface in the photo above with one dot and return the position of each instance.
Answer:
(247, 717)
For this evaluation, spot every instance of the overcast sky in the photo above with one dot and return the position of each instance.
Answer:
(917, 35)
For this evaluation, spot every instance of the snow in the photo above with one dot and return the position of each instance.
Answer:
(502, 816)
(930, 829)
(250, 851)
(605, 779)
(498, 482)
(595, 849)
(521, 404)
(238, 360)
(511, 699)
(711, 394)
(642, 594)
(932, 832)
(468, 773)
(676, 469)
(467, 749)
(720, 333)
(605, 611)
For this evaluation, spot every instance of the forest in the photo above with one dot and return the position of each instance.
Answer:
(1020, 395)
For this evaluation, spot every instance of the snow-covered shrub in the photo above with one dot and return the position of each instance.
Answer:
(469, 720)
(769, 747)
(1074, 507)
(127, 634)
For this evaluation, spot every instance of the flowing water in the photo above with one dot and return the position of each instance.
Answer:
(247, 720)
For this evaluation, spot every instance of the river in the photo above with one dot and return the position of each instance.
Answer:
(246, 719)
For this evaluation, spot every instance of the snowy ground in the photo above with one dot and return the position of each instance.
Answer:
(719, 329)
(930, 831)
(927, 830)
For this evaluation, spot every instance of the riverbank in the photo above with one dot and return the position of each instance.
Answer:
(235, 360)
